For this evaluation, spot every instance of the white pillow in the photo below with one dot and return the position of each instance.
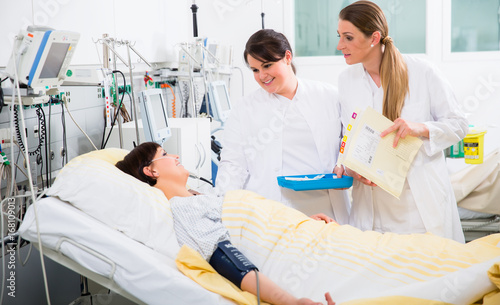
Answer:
(93, 184)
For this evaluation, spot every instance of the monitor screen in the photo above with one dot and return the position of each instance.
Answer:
(154, 116)
(158, 111)
(220, 103)
(223, 97)
(54, 60)
(42, 57)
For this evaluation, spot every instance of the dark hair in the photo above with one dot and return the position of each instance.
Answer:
(267, 46)
(369, 18)
(136, 160)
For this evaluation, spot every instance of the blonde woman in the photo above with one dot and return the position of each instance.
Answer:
(412, 94)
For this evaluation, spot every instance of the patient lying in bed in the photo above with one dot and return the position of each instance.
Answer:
(198, 224)
(303, 256)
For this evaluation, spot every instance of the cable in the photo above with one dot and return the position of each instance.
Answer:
(41, 137)
(46, 153)
(41, 169)
(63, 123)
(2, 103)
(49, 164)
(3, 252)
(131, 101)
(173, 101)
(4, 174)
(258, 286)
(13, 175)
(16, 81)
(103, 145)
(194, 176)
(64, 101)
(206, 180)
(11, 126)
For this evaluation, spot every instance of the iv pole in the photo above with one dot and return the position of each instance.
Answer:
(128, 65)
(262, 14)
(194, 9)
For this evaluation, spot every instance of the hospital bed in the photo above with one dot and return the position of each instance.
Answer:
(111, 259)
(118, 231)
(477, 191)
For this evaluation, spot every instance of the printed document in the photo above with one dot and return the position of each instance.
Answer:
(373, 157)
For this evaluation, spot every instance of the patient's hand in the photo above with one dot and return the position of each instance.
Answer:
(306, 301)
(328, 298)
(323, 217)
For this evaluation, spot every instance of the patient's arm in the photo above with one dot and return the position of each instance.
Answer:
(272, 293)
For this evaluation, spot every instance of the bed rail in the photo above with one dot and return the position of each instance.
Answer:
(89, 251)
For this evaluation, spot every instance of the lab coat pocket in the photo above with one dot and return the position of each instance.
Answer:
(415, 112)
(439, 194)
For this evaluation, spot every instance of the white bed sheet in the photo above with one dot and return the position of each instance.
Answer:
(147, 276)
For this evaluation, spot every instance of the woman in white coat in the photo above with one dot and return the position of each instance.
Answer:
(421, 103)
(289, 126)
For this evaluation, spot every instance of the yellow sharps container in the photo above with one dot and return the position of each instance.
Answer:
(474, 146)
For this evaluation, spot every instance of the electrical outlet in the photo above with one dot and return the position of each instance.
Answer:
(35, 131)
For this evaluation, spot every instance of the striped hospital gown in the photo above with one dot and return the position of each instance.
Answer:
(197, 222)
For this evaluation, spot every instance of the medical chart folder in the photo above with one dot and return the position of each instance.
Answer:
(373, 157)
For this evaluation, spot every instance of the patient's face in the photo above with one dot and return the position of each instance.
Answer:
(168, 166)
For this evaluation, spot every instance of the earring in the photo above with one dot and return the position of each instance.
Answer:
(371, 46)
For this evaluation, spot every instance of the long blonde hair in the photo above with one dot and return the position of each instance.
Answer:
(369, 18)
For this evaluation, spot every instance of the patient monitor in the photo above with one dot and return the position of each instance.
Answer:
(41, 57)
(219, 100)
(154, 116)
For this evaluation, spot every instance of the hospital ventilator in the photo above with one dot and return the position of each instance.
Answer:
(39, 63)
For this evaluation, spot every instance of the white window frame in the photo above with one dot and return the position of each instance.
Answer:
(449, 56)
(289, 30)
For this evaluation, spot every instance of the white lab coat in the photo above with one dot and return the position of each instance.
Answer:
(252, 144)
(432, 102)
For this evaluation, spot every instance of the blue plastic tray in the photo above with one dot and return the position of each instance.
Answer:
(329, 181)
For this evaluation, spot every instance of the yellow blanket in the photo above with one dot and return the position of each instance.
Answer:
(308, 258)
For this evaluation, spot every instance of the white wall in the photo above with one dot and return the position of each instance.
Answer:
(156, 26)
(150, 25)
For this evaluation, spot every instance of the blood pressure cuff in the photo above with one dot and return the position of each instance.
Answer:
(229, 262)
